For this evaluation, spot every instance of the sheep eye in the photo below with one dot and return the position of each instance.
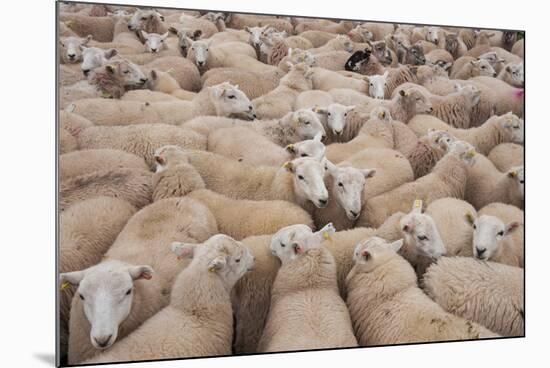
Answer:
(144, 18)
(126, 72)
(129, 291)
(307, 122)
(483, 67)
(81, 297)
(237, 260)
(422, 237)
(161, 41)
(300, 177)
(232, 97)
(328, 113)
(304, 154)
(475, 227)
(283, 245)
(521, 181)
(345, 114)
(206, 49)
(500, 233)
(341, 185)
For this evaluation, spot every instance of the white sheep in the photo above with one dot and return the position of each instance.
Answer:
(507, 155)
(388, 307)
(204, 285)
(488, 293)
(306, 287)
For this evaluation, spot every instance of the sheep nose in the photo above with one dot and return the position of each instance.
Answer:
(431, 109)
(250, 108)
(338, 132)
(154, 50)
(103, 341)
(86, 72)
(480, 251)
(129, 27)
(143, 80)
(323, 202)
(494, 74)
(200, 63)
(354, 214)
(71, 56)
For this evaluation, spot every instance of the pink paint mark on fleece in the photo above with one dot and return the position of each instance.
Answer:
(519, 93)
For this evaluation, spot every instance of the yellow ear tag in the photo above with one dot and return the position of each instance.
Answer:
(211, 269)
(417, 204)
(327, 236)
(286, 165)
(65, 286)
(471, 153)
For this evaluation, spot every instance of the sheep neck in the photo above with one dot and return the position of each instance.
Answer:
(280, 132)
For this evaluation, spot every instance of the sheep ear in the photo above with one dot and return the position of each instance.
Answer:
(470, 218)
(183, 250)
(141, 272)
(173, 30)
(511, 227)
(197, 34)
(86, 40)
(289, 166)
(247, 29)
(144, 34)
(110, 53)
(403, 93)
(72, 278)
(407, 227)
(329, 166)
(319, 110)
(164, 35)
(298, 249)
(291, 149)
(396, 245)
(154, 74)
(368, 173)
(217, 264)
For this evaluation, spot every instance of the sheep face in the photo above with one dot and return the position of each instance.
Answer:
(513, 127)
(309, 180)
(381, 52)
(93, 57)
(255, 34)
(422, 104)
(154, 42)
(463, 151)
(127, 73)
(514, 74)
(470, 91)
(296, 56)
(482, 67)
(434, 34)
(344, 43)
(229, 100)
(361, 34)
(489, 234)
(293, 241)
(306, 124)
(415, 55)
(439, 140)
(201, 51)
(492, 58)
(374, 252)
(348, 183)
(335, 115)
(421, 233)
(71, 48)
(518, 175)
(105, 292)
(141, 18)
(220, 255)
(377, 85)
(309, 148)
(167, 154)
(451, 43)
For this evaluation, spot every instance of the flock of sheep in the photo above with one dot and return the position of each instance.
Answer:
(237, 183)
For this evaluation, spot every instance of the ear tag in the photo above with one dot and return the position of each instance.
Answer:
(327, 236)
(417, 204)
(211, 269)
(65, 286)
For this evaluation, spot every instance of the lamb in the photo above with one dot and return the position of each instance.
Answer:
(207, 57)
(237, 218)
(472, 68)
(280, 101)
(164, 82)
(383, 284)
(499, 129)
(467, 288)
(100, 28)
(240, 21)
(455, 108)
(220, 100)
(429, 149)
(457, 234)
(253, 84)
(486, 184)
(141, 139)
(71, 49)
(86, 161)
(508, 98)
(205, 26)
(93, 57)
(498, 234)
(131, 185)
(507, 155)
(145, 238)
(318, 38)
(447, 179)
(87, 231)
(204, 285)
(333, 117)
(513, 75)
(305, 285)
(183, 71)
(299, 181)
(283, 48)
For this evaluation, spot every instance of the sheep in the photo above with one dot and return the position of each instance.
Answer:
(455, 45)
(333, 117)
(185, 36)
(507, 155)
(280, 101)
(100, 28)
(383, 284)
(140, 261)
(472, 68)
(282, 49)
(93, 57)
(318, 38)
(65, 31)
(87, 231)
(86, 161)
(296, 56)
(164, 82)
(455, 108)
(326, 80)
(518, 48)
(240, 21)
(313, 98)
(513, 75)
(155, 42)
(69, 75)
(392, 170)
(269, 38)
(220, 100)
(73, 123)
(205, 26)
(343, 26)
(207, 57)
(404, 105)
(467, 288)
(141, 139)
(493, 59)
(498, 234)
(508, 98)
(486, 184)
(456, 233)
(429, 149)
(67, 142)
(183, 71)
(499, 129)
(377, 85)
(148, 20)
(253, 84)
(71, 49)
(447, 179)
(131, 185)
(306, 287)
(379, 30)
(204, 285)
